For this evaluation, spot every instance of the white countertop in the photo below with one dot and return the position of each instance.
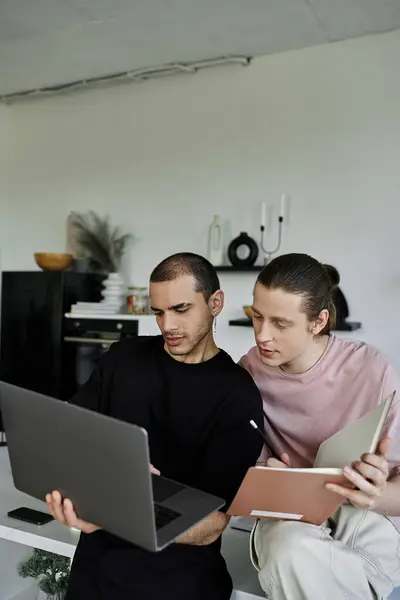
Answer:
(54, 537)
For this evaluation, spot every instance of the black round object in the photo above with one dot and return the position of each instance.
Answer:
(234, 247)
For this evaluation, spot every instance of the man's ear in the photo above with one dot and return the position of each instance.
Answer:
(216, 303)
(318, 325)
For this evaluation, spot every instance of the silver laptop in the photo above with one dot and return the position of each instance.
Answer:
(101, 464)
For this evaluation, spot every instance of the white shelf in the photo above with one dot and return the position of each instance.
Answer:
(115, 317)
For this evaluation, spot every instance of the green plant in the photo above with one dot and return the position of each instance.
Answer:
(51, 571)
(94, 238)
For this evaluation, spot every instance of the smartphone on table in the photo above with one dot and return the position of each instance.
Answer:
(29, 515)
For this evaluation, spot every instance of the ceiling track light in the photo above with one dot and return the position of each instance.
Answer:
(134, 76)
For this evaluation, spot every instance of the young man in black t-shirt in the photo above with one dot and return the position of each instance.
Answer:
(195, 404)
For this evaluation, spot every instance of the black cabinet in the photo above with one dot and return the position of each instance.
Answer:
(33, 305)
(85, 340)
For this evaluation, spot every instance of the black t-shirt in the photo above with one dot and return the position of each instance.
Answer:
(197, 418)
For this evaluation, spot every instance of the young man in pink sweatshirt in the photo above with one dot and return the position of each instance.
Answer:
(313, 384)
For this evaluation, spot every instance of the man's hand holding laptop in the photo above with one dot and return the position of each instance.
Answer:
(63, 510)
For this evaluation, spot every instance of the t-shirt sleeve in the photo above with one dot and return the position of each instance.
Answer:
(266, 453)
(233, 445)
(392, 427)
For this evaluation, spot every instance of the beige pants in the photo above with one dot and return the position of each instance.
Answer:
(354, 557)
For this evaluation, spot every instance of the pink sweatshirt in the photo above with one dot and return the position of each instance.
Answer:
(303, 410)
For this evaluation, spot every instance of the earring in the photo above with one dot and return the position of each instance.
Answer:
(214, 324)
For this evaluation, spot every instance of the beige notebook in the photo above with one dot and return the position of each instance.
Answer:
(300, 494)
(357, 438)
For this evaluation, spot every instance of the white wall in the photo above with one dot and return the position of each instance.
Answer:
(4, 146)
(3, 162)
(322, 124)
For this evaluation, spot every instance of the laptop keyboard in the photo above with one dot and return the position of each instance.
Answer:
(164, 488)
(164, 516)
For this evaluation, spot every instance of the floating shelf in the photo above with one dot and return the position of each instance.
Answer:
(232, 269)
(241, 323)
(346, 326)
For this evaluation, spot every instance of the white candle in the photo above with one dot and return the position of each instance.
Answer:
(283, 202)
(263, 214)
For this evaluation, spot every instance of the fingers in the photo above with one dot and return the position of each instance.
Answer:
(154, 470)
(371, 472)
(285, 459)
(69, 514)
(356, 497)
(73, 521)
(54, 502)
(49, 503)
(276, 464)
(64, 512)
(377, 473)
(376, 461)
(367, 476)
(384, 447)
(372, 489)
(367, 481)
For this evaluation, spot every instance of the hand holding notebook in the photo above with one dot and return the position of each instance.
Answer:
(302, 494)
(368, 477)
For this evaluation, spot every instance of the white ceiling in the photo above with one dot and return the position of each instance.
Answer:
(50, 42)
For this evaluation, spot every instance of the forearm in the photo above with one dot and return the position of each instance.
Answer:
(205, 532)
(389, 503)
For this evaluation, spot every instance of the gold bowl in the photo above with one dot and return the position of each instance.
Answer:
(52, 261)
(248, 312)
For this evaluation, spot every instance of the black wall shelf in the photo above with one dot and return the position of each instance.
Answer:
(346, 326)
(231, 269)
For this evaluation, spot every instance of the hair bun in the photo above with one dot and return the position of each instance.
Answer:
(333, 275)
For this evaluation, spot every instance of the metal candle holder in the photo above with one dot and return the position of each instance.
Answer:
(269, 253)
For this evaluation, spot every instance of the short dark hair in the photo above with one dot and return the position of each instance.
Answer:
(188, 263)
(304, 275)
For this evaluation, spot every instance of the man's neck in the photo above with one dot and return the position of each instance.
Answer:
(308, 359)
(205, 350)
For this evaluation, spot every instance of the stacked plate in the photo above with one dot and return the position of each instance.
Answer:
(101, 308)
